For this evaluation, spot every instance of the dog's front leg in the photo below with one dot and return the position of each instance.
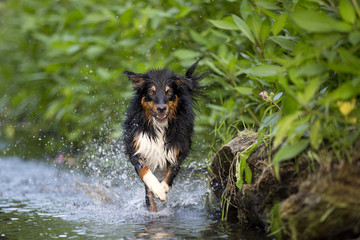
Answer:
(149, 199)
(151, 182)
(172, 171)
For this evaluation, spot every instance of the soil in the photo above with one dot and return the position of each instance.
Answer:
(315, 199)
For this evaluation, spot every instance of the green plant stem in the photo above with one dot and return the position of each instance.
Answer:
(356, 6)
(253, 116)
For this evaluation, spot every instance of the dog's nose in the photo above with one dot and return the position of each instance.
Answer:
(161, 107)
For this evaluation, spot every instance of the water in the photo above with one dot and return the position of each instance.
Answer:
(42, 201)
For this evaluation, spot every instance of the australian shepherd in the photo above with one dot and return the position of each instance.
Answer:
(159, 125)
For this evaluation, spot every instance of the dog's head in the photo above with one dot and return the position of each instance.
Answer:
(160, 90)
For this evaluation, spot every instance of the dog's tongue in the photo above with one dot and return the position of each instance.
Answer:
(161, 116)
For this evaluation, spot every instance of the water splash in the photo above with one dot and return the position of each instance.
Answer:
(109, 178)
(46, 201)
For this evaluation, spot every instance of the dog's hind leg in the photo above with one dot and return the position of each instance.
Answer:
(149, 199)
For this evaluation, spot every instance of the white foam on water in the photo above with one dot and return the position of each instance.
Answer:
(42, 194)
(72, 196)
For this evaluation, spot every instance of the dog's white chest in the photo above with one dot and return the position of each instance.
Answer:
(152, 149)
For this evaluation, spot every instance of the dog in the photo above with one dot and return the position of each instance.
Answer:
(159, 125)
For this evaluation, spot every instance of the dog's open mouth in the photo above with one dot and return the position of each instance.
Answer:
(161, 117)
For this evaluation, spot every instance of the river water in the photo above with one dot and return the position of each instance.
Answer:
(40, 200)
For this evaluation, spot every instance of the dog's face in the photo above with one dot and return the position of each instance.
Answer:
(159, 93)
(159, 100)
(161, 90)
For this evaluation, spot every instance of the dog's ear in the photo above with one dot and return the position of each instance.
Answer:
(187, 80)
(191, 69)
(191, 80)
(138, 79)
(184, 82)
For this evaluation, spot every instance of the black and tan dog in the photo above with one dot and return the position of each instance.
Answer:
(159, 125)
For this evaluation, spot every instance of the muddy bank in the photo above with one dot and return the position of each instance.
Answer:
(313, 199)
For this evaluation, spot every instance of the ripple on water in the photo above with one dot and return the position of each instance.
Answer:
(45, 202)
(60, 193)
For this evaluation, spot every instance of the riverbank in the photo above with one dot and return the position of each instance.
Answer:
(309, 200)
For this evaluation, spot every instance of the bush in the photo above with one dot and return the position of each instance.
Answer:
(293, 71)
(62, 63)
(290, 69)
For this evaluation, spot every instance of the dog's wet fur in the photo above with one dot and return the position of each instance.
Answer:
(159, 126)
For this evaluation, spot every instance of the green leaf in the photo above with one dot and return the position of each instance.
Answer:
(354, 38)
(286, 43)
(278, 96)
(264, 70)
(310, 90)
(239, 173)
(347, 11)
(267, 4)
(52, 109)
(248, 173)
(94, 51)
(345, 91)
(293, 75)
(126, 17)
(244, 28)
(288, 151)
(270, 14)
(244, 90)
(242, 167)
(265, 30)
(311, 70)
(184, 11)
(216, 69)
(269, 121)
(254, 23)
(198, 38)
(319, 22)
(283, 127)
(315, 135)
(245, 9)
(224, 25)
(349, 58)
(186, 54)
(327, 213)
(279, 24)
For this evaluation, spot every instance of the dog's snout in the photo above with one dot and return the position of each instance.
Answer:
(161, 107)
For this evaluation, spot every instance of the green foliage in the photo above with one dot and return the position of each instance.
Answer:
(276, 223)
(288, 151)
(291, 69)
(242, 170)
(61, 63)
(308, 52)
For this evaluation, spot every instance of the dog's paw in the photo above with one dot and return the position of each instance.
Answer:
(165, 186)
(154, 186)
(159, 191)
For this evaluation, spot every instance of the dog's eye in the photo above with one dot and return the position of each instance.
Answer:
(169, 92)
(151, 92)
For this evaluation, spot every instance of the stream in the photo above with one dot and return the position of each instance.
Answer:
(40, 200)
